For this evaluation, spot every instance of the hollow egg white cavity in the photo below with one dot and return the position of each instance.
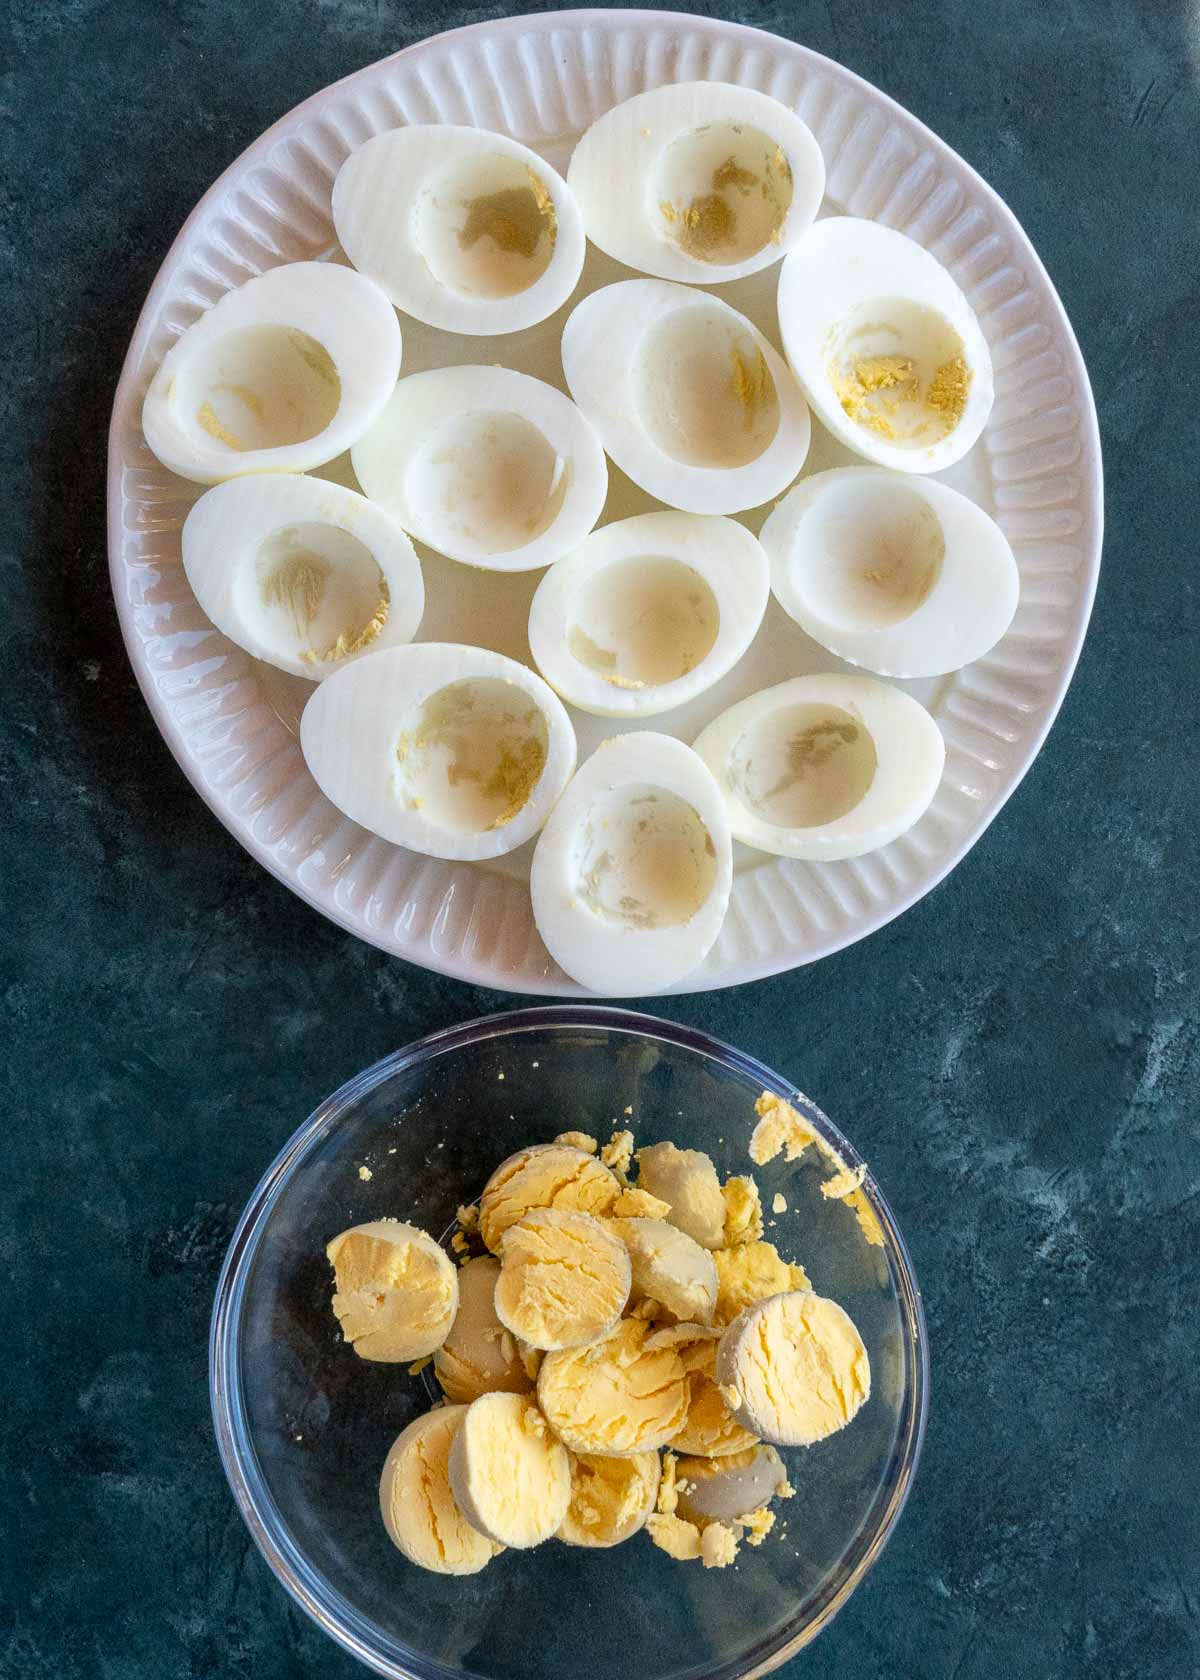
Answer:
(688, 397)
(486, 466)
(648, 612)
(280, 375)
(699, 181)
(446, 749)
(901, 575)
(300, 572)
(824, 767)
(885, 344)
(465, 230)
(632, 873)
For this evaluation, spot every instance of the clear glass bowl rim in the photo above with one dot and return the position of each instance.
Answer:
(306, 1585)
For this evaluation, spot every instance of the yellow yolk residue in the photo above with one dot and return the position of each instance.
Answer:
(668, 1498)
(949, 389)
(758, 1525)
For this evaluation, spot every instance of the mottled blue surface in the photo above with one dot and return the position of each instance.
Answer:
(1017, 1056)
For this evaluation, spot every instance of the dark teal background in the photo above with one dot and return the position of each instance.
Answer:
(1017, 1056)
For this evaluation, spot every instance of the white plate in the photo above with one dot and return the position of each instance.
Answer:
(230, 722)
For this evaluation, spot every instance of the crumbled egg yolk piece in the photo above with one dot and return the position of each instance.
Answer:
(531, 1359)
(639, 1204)
(781, 1128)
(843, 1184)
(617, 1153)
(668, 1498)
(679, 1539)
(578, 1140)
(743, 1211)
(718, 1546)
(758, 1524)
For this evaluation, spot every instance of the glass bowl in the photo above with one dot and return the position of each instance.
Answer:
(304, 1425)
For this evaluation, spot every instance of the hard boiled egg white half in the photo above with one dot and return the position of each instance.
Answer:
(824, 767)
(885, 344)
(687, 395)
(632, 873)
(698, 181)
(446, 749)
(280, 375)
(486, 466)
(900, 574)
(648, 612)
(466, 230)
(301, 573)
